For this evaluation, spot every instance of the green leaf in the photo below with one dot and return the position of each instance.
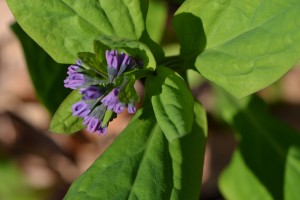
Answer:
(156, 49)
(292, 174)
(91, 61)
(47, 75)
(142, 164)
(190, 32)
(132, 47)
(172, 102)
(156, 19)
(63, 120)
(187, 155)
(238, 174)
(250, 44)
(263, 161)
(128, 93)
(65, 27)
(109, 114)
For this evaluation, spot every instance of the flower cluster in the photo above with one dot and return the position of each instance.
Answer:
(99, 94)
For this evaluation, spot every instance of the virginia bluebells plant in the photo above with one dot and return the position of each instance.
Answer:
(100, 94)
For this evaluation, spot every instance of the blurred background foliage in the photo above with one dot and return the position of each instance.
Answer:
(36, 164)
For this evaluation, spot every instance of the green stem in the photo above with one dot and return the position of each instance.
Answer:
(143, 73)
(172, 62)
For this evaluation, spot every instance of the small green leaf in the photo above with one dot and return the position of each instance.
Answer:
(143, 164)
(107, 117)
(128, 93)
(99, 50)
(250, 43)
(47, 75)
(91, 61)
(132, 47)
(65, 27)
(172, 102)
(263, 161)
(63, 120)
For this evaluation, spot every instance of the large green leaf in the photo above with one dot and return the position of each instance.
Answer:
(250, 43)
(142, 164)
(264, 162)
(65, 27)
(172, 102)
(47, 75)
(63, 120)
(239, 182)
(156, 19)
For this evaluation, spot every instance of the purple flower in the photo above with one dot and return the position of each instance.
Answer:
(111, 99)
(112, 59)
(80, 109)
(74, 80)
(94, 104)
(72, 69)
(112, 103)
(90, 93)
(86, 120)
(102, 130)
(125, 62)
(117, 63)
(112, 64)
(119, 107)
(93, 125)
(131, 108)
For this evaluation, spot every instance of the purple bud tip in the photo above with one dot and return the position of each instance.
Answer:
(126, 60)
(93, 125)
(81, 109)
(79, 62)
(111, 99)
(86, 120)
(119, 107)
(74, 81)
(92, 92)
(72, 69)
(131, 108)
(102, 130)
(112, 58)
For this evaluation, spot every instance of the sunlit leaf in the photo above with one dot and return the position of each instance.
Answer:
(172, 102)
(156, 19)
(250, 43)
(65, 27)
